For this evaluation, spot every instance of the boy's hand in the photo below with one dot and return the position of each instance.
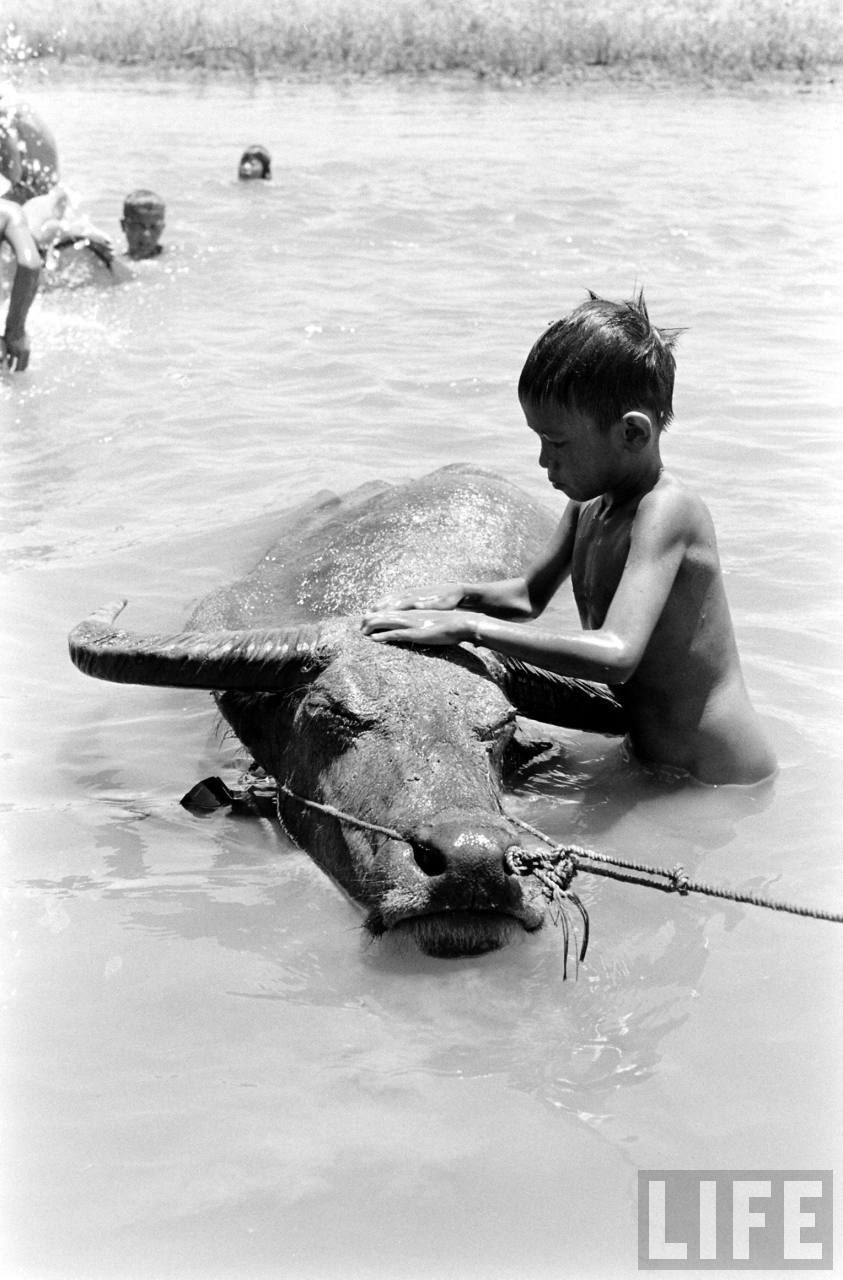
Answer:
(102, 246)
(14, 352)
(418, 626)
(446, 595)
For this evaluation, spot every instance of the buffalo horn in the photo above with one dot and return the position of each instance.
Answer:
(249, 660)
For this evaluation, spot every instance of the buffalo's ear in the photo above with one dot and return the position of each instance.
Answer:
(263, 721)
(528, 753)
(554, 699)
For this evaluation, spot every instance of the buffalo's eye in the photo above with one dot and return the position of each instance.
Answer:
(333, 717)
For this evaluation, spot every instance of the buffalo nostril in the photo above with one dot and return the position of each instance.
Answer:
(431, 860)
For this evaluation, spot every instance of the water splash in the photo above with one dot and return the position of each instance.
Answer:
(16, 54)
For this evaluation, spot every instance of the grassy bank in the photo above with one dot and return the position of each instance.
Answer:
(505, 39)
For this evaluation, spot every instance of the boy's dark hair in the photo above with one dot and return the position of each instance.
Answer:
(257, 152)
(142, 199)
(605, 358)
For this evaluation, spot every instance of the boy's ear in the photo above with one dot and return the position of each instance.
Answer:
(638, 429)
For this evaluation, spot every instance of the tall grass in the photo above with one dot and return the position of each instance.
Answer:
(519, 39)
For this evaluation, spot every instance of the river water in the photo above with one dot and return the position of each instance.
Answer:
(207, 1071)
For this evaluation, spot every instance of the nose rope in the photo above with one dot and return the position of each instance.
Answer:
(553, 870)
(547, 869)
(665, 879)
(341, 815)
(556, 869)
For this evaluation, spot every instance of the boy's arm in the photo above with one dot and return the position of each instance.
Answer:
(10, 148)
(545, 575)
(658, 541)
(515, 598)
(14, 348)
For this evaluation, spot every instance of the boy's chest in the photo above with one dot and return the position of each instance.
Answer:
(600, 551)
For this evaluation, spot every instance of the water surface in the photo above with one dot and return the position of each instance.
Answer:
(207, 1071)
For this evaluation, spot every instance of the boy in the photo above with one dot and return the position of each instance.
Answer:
(143, 223)
(255, 162)
(77, 253)
(640, 548)
(14, 343)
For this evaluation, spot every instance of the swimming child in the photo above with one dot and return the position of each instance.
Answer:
(638, 545)
(14, 344)
(76, 253)
(143, 223)
(255, 162)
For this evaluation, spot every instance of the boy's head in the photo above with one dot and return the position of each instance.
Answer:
(255, 162)
(143, 223)
(604, 359)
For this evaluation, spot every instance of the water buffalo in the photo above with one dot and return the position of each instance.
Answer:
(405, 749)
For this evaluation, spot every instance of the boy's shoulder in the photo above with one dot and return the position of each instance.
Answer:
(674, 505)
(668, 497)
(670, 490)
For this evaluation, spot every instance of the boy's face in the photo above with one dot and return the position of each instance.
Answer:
(250, 167)
(143, 228)
(579, 457)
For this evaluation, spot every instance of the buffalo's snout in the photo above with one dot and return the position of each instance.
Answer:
(460, 849)
(452, 889)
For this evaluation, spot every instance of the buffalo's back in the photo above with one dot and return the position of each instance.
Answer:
(338, 555)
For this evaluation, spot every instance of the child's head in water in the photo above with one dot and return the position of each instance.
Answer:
(143, 223)
(255, 162)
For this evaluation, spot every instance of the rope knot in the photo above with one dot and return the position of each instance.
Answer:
(558, 866)
(553, 872)
(679, 882)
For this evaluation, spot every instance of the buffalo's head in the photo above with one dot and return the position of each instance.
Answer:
(388, 759)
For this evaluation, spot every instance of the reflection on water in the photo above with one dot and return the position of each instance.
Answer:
(212, 1071)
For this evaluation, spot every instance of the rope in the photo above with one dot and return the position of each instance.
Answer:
(341, 816)
(554, 882)
(675, 878)
(555, 870)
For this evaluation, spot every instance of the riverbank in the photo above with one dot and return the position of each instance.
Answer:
(503, 41)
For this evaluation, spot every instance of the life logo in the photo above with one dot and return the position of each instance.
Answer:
(703, 1219)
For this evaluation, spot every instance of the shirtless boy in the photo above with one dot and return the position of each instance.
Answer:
(639, 547)
(76, 253)
(255, 162)
(143, 223)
